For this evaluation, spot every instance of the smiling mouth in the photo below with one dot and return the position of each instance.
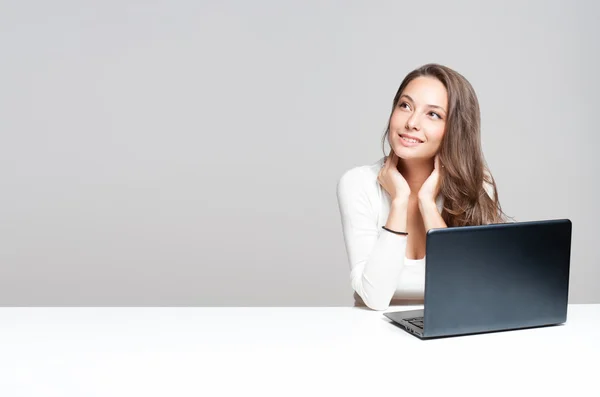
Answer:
(410, 140)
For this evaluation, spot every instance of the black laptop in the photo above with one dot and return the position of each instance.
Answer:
(493, 278)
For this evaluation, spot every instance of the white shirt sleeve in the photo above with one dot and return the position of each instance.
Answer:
(376, 256)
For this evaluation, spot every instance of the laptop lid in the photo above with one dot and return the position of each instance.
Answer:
(496, 277)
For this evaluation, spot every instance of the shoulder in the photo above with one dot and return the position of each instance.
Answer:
(360, 178)
(487, 184)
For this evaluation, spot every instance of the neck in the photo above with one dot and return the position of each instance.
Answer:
(415, 171)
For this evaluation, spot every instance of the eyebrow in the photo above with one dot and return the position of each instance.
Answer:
(431, 106)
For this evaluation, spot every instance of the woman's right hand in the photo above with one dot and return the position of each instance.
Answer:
(392, 180)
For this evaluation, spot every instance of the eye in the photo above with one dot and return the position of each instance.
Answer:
(403, 105)
(435, 115)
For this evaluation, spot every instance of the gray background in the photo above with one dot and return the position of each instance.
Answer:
(187, 153)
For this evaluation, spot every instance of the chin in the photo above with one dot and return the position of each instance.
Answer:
(408, 153)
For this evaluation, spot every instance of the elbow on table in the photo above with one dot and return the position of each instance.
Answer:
(377, 303)
(379, 307)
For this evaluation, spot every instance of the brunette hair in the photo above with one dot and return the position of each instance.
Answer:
(466, 184)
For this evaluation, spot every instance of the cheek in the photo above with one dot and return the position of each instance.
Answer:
(434, 136)
(436, 133)
(397, 120)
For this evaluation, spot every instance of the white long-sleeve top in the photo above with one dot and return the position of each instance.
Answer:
(380, 273)
(379, 269)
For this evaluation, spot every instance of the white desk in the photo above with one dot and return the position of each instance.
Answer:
(283, 351)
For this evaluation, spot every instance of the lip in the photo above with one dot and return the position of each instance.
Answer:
(409, 144)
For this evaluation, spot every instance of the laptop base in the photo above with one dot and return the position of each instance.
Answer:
(407, 320)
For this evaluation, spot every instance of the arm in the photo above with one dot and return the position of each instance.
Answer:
(432, 219)
(376, 256)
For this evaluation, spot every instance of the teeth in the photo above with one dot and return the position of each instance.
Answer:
(410, 140)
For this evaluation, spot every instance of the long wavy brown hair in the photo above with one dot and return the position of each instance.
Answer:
(466, 183)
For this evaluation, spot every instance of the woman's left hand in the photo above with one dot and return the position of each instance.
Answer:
(431, 186)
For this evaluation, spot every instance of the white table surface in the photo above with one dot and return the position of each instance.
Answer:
(283, 351)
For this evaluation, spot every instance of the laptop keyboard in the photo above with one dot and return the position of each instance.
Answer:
(416, 321)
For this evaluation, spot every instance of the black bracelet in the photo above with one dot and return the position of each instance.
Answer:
(392, 231)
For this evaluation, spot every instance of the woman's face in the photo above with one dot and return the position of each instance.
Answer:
(420, 113)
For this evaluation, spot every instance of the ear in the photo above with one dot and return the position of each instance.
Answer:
(436, 162)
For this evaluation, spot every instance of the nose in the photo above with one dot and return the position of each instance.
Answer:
(412, 123)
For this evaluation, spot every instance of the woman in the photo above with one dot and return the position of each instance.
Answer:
(435, 176)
